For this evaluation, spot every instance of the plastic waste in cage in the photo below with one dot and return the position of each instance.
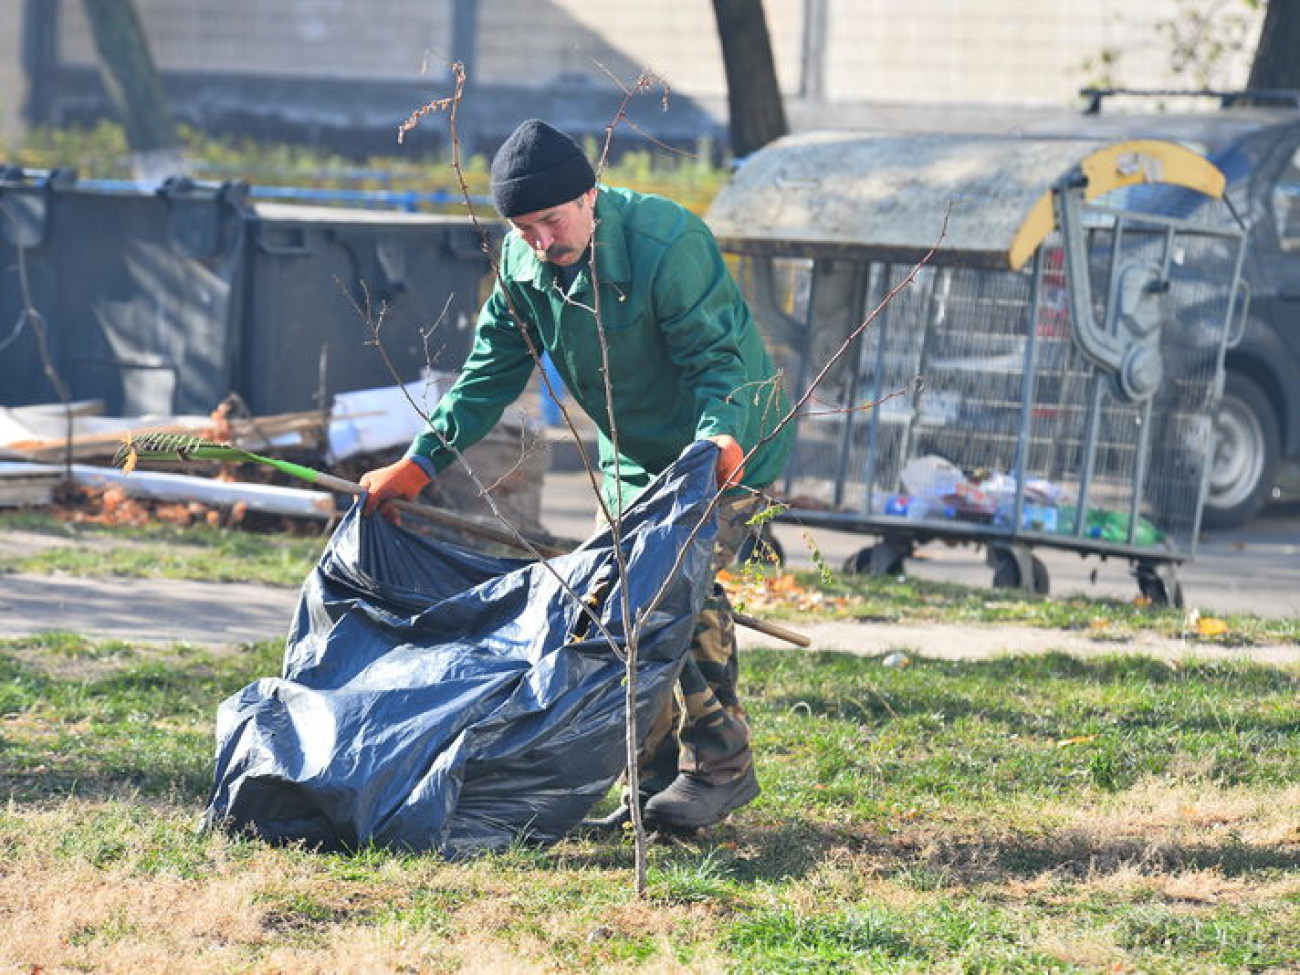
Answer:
(1010, 342)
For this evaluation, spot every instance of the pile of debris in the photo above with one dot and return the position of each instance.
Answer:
(762, 591)
(59, 457)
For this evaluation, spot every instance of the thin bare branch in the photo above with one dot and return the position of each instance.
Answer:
(839, 353)
(30, 316)
(647, 80)
(836, 411)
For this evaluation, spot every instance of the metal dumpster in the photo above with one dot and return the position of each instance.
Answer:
(319, 279)
(1000, 341)
(135, 292)
(166, 302)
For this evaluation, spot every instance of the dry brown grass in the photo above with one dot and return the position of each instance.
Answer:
(265, 910)
(258, 909)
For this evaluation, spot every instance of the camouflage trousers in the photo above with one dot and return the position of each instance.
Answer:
(704, 730)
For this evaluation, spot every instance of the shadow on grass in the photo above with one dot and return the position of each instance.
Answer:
(1024, 694)
(41, 785)
(88, 725)
(761, 854)
(1073, 855)
(743, 853)
(749, 855)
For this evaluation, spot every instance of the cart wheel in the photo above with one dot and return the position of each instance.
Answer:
(1159, 583)
(1006, 573)
(875, 560)
(760, 548)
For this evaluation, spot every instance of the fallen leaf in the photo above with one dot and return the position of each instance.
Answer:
(1076, 740)
(1211, 626)
(784, 583)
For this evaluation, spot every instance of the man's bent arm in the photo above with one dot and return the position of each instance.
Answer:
(494, 375)
(698, 307)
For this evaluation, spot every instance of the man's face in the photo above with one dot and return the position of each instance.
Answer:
(559, 234)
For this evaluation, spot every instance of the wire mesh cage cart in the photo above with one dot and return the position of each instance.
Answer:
(1008, 342)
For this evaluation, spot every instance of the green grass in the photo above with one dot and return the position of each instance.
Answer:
(136, 720)
(690, 175)
(1026, 814)
(159, 550)
(1040, 727)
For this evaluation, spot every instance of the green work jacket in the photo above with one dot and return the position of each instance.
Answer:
(685, 358)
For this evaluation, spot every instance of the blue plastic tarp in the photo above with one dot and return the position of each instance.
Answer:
(434, 698)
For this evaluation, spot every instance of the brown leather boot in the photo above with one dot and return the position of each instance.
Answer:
(692, 802)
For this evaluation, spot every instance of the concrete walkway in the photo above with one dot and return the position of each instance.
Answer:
(228, 615)
(145, 610)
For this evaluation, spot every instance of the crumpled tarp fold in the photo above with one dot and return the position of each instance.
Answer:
(434, 698)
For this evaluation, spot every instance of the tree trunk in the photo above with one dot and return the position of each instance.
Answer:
(757, 113)
(134, 87)
(1276, 63)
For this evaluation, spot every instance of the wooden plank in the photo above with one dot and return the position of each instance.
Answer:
(27, 491)
(256, 433)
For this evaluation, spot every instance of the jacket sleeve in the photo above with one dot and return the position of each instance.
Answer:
(702, 317)
(495, 373)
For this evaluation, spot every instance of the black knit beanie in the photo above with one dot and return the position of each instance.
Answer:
(537, 168)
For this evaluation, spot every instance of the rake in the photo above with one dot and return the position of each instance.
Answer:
(183, 447)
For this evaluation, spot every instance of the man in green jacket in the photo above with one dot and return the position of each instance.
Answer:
(586, 264)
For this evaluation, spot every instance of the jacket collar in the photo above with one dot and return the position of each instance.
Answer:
(612, 260)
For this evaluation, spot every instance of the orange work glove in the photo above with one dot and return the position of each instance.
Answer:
(405, 479)
(731, 461)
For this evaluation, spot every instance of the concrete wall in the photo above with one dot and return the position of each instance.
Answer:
(13, 84)
(1008, 51)
(324, 63)
(390, 39)
(676, 39)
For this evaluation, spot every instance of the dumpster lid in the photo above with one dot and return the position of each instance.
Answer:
(309, 213)
(886, 196)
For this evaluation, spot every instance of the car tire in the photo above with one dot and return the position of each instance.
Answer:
(1246, 450)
